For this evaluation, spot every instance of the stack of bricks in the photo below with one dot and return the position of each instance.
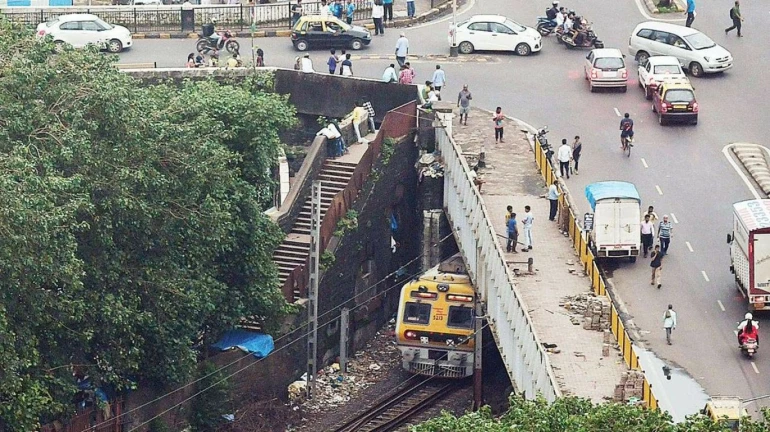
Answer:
(597, 314)
(631, 386)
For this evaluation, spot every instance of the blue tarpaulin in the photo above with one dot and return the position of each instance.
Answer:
(252, 342)
(610, 189)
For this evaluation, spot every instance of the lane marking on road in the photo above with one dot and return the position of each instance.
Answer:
(721, 306)
(673, 217)
(644, 162)
(705, 276)
(754, 366)
(689, 246)
(617, 113)
(726, 152)
(660, 192)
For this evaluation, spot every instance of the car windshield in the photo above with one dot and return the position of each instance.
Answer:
(699, 41)
(518, 28)
(680, 96)
(667, 69)
(609, 63)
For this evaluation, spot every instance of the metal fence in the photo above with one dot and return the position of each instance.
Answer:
(525, 359)
(169, 18)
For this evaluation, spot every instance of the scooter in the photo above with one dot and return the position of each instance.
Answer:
(545, 25)
(541, 137)
(590, 40)
(749, 347)
(206, 44)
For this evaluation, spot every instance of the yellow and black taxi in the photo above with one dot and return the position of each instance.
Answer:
(675, 100)
(727, 411)
(316, 31)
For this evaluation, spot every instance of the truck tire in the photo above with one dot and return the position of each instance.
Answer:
(632, 259)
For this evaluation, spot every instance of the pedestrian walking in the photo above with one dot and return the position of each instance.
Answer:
(332, 62)
(513, 234)
(553, 199)
(439, 80)
(498, 119)
(410, 8)
(735, 15)
(653, 216)
(306, 64)
(347, 66)
(564, 154)
(388, 4)
(377, 13)
(577, 148)
(464, 102)
(389, 76)
(669, 322)
(690, 13)
(402, 48)
(405, 76)
(665, 232)
(349, 9)
(646, 231)
(657, 265)
(527, 222)
(370, 111)
(296, 13)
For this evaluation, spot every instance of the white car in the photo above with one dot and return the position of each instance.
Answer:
(657, 70)
(494, 33)
(605, 67)
(695, 51)
(80, 30)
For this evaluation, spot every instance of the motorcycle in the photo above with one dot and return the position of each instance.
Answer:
(749, 347)
(590, 40)
(545, 26)
(206, 44)
(541, 137)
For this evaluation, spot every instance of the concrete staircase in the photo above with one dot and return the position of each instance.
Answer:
(334, 176)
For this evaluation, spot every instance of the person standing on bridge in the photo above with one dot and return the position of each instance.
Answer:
(513, 234)
(577, 148)
(527, 221)
(553, 200)
(669, 322)
(564, 155)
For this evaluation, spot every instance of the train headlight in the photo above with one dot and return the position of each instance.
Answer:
(410, 334)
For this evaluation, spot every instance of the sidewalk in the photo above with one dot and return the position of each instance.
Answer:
(512, 179)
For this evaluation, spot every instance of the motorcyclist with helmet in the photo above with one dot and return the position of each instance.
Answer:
(748, 329)
(210, 32)
(553, 12)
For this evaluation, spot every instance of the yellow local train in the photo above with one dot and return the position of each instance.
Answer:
(434, 326)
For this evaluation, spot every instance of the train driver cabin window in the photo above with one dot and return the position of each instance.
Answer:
(460, 317)
(417, 313)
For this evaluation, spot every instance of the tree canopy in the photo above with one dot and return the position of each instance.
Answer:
(131, 222)
(573, 414)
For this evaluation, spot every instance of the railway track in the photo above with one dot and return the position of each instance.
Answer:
(394, 408)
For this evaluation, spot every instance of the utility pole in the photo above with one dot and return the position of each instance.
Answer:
(478, 351)
(344, 323)
(312, 295)
(453, 48)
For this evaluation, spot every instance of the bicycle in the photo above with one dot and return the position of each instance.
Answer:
(628, 142)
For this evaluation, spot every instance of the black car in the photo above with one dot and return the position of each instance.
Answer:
(328, 32)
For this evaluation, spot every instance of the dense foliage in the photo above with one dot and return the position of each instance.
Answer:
(572, 414)
(131, 222)
(214, 402)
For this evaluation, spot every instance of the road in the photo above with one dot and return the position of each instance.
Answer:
(681, 170)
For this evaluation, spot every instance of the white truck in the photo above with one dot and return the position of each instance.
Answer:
(750, 251)
(616, 227)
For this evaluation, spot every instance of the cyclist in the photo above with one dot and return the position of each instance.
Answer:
(626, 131)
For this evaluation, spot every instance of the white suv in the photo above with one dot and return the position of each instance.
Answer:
(694, 50)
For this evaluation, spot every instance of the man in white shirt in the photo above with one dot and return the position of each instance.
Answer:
(564, 155)
(439, 80)
(553, 199)
(306, 65)
(323, 9)
(389, 76)
(560, 17)
(402, 49)
(669, 322)
(527, 222)
(568, 23)
(646, 229)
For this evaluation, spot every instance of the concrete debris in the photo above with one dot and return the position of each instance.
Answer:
(589, 310)
(631, 387)
(430, 166)
(334, 389)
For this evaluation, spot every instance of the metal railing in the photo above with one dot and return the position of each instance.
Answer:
(569, 221)
(169, 18)
(525, 359)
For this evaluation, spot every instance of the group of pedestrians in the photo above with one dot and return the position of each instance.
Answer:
(405, 75)
(665, 230)
(735, 16)
(569, 153)
(343, 60)
(512, 227)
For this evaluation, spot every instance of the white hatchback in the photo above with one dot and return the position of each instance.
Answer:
(494, 33)
(658, 69)
(80, 30)
(605, 67)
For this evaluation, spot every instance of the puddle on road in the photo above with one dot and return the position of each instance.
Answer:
(681, 395)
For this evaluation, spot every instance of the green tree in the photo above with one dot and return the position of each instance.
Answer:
(207, 409)
(573, 414)
(131, 222)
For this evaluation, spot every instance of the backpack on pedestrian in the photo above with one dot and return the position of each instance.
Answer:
(732, 13)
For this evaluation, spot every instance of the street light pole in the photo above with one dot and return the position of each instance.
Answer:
(453, 49)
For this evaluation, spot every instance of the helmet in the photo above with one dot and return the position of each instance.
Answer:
(748, 316)
(555, 3)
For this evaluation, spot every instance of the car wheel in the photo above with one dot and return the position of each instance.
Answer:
(301, 45)
(356, 44)
(696, 69)
(114, 46)
(642, 57)
(523, 49)
(632, 259)
(466, 47)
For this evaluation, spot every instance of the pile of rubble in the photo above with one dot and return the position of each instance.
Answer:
(631, 387)
(333, 389)
(591, 311)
